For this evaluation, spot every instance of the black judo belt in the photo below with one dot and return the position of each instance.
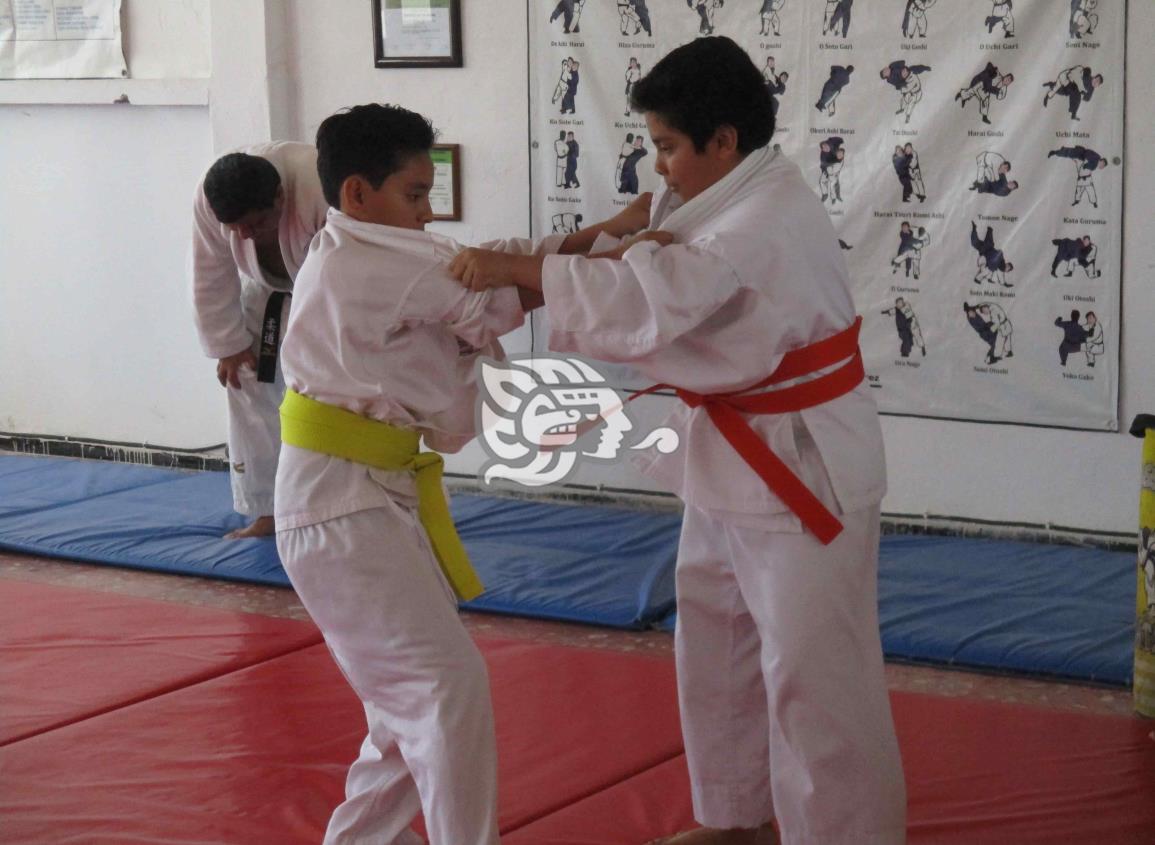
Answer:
(271, 336)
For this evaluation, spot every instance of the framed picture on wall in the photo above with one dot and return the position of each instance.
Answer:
(417, 33)
(446, 194)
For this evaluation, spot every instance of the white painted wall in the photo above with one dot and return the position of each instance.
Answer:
(95, 339)
(167, 39)
(482, 106)
(95, 218)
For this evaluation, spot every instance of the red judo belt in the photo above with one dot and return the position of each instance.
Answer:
(726, 411)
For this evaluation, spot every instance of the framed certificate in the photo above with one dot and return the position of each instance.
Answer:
(446, 194)
(417, 33)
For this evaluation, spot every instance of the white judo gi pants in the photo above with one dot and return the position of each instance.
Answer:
(1003, 12)
(828, 15)
(1085, 184)
(1003, 346)
(783, 699)
(916, 181)
(254, 416)
(372, 585)
(911, 96)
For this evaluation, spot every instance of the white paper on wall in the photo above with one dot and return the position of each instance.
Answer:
(968, 153)
(61, 39)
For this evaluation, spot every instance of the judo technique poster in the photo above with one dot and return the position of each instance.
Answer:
(968, 152)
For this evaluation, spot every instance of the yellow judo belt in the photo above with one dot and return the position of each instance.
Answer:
(313, 425)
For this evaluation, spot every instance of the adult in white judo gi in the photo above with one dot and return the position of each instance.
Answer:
(254, 214)
(909, 330)
(1094, 346)
(989, 166)
(624, 153)
(1002, 14)
(561, 157)
(383, 340)
(1087, 162)
(911, 96)
(910, 246)
(768, 14)
(828, 16)
(783, 699)
(633, 74)
(991, 264)
(563, 80)
(916, 181)
(1078, 84)
(1001, 325)
(831, 157)
(706, 10)
(906, 80)
(988, 82)
(914, 17)
(566, 222)
(628, 21)
(1083, 17)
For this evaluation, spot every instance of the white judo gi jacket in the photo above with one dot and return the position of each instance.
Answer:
(755, 272)
(222, 258)
(374, 330)
(231, 293)
(782, 694)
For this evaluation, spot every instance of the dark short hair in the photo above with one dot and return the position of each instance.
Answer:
(372, 141)
(238, 183)
(706, 84)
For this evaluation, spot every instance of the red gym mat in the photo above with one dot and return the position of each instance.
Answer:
(259, 755)
(989, 773)
(68, 654)
(978, 773)
(155, 722)
(654, 803)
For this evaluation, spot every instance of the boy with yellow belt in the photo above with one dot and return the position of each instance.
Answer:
(380, 354)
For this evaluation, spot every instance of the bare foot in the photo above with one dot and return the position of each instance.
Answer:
(262, 526)
(765, 835)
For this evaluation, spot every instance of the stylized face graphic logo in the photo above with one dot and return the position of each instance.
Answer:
(538, 415)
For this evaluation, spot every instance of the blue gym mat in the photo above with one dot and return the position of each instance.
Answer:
(1066, 611)
(576, 563)
(1023, 607)
(1062, 611)
(601, 565)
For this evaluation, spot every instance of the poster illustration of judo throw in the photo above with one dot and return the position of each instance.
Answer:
(968, 153)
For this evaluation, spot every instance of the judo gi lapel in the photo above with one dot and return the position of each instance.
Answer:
(414, 242)
(683, 219)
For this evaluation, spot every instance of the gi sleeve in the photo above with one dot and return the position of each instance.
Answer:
(525, 246)
(216, 286)
(604, 243)
(625, 310)
(477, 318)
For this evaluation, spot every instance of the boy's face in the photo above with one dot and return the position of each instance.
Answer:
(401, 201)
(688, 172)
